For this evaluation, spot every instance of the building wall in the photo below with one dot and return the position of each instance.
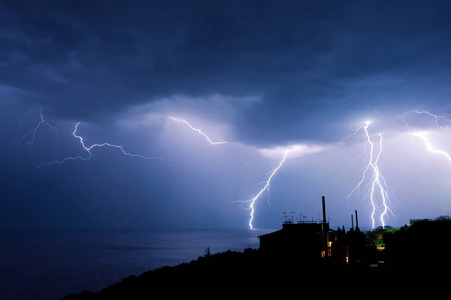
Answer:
(295, 242)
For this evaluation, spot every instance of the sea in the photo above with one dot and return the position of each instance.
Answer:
(51, 265)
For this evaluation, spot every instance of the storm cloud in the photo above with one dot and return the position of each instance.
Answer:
(263, 75)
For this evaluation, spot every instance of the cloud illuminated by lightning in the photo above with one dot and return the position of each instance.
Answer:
(89, 153)
(197, 130)
(265, 187)
(376, 187)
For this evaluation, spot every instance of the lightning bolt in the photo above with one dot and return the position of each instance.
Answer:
(89, 153)
(31, 134)
(197, 130)
(377, 182)
(265, 187)
(435, 117)
(425, 139)
(429, 147)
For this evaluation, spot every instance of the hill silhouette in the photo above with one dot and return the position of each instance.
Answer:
(416, 260)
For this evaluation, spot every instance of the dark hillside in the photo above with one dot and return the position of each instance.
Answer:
(417, 257)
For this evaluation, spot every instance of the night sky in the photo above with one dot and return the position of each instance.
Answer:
(310, 77)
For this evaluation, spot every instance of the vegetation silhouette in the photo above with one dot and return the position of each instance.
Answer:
(416, 260)
(425, 245)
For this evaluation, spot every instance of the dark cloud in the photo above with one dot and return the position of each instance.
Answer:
(139, 44)
(82, 58)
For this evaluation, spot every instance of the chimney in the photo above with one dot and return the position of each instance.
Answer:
(352, 222)
(325, 228)
(356, 220)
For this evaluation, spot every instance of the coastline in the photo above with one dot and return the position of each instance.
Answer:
(248, 274)
(416, 261)
(50, 265)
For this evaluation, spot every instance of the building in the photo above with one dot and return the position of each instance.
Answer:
(301, 241)
(305, 242)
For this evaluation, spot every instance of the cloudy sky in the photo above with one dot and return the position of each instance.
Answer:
(342, 88)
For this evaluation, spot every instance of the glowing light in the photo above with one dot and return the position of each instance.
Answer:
(197, 130)
(376, 183)
(90, 155)
(265, 187)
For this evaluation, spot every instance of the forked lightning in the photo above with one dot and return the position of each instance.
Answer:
(89, 153)
(376, 189)
(265, 187)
